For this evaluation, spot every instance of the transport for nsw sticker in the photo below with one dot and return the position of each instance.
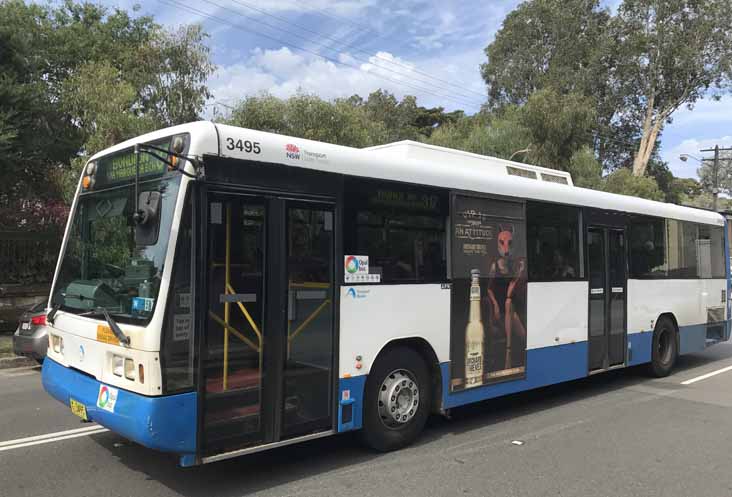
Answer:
(107, 398)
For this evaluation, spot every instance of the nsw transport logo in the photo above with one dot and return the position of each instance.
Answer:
(292, 151)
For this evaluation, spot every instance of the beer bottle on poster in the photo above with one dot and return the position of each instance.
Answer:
(474, 335)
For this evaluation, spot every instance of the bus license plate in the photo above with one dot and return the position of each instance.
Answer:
(79, 409)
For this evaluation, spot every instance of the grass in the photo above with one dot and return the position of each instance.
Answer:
(6, 346)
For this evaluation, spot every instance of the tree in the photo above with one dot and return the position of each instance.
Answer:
(674, 52)
(558, 126)
(355, 122)
(566, 47)
(343, 122)
(624, 182)
(638, 66)
(585, 169)
(34, 133)
(545, 43)
(176, 67)
(493, 135)
(77, 77)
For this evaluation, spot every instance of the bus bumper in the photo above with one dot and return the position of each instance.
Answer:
(162, 423)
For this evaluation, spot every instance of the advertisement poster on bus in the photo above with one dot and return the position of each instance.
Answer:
(488, 295)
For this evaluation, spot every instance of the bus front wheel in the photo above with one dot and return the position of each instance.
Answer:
(664, 351)
(397, 400)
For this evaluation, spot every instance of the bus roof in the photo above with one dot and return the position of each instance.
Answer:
(416, 163)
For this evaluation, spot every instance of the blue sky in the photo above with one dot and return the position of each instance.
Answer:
(335, 48)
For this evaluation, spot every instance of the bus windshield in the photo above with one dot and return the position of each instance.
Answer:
(103, 265)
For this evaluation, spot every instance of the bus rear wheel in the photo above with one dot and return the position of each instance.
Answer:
(397, 400)
(664, 348)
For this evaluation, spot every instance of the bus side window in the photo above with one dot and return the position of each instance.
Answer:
(401, 228)
(553, 250)
(648, 258)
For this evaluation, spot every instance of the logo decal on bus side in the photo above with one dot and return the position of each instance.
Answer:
(293, 151)
(107, 398)
(357, 293)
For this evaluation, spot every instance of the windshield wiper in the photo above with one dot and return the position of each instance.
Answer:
(51, 317)
(123, 339)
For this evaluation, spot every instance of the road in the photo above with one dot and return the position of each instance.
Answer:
(616, 434)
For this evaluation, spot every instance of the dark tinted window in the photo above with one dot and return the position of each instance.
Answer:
(647, 247)
(553, 242)
(400, 228)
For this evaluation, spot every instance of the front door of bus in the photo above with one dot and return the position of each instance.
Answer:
(606, 262)
(268, 341)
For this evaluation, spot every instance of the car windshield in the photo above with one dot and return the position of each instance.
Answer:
(103, 265)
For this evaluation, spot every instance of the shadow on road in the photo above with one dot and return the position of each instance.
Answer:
(268, 470)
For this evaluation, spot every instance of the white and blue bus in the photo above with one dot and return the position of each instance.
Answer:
(222, 291)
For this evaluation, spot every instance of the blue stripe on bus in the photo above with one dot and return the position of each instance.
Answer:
(545, 366)
(639, 347)
(354, 387)
(163, 423)
(692, 338)
(549, 365)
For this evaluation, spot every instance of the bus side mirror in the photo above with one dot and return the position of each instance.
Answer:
(147, 218)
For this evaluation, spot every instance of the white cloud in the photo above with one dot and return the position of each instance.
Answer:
(706, 111)
(282, 73)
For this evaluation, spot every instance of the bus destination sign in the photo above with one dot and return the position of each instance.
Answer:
(121, 167)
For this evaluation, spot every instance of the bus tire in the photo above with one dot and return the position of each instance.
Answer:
(397, 400)
(664, 348)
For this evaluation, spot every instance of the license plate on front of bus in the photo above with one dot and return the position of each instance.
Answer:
(78, 409)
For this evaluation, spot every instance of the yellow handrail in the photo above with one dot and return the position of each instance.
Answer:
(308, 284)
(238, 334)
(309, 319)
(244, 311)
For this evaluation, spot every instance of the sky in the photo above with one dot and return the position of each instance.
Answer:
(337, 48)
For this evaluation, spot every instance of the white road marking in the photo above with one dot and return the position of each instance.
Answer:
(708, 375)
(51, 437)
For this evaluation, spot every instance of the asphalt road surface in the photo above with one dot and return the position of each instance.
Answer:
(615, 434)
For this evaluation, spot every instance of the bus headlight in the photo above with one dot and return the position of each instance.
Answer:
(117, 362)
(129, 369)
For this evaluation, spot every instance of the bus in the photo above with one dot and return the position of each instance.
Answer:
(222, 291)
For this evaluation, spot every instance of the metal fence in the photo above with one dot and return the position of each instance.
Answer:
(28, 257)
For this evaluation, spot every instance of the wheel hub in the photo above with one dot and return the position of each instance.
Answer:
(398, 398)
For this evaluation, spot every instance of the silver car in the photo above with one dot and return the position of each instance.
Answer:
(31, 337)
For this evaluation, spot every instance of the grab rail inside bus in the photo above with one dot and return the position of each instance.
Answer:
(225, 322)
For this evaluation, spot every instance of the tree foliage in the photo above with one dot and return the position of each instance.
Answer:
(624, 182)
(77, 77)
(674, 51)
(638, 66)
(354, 121)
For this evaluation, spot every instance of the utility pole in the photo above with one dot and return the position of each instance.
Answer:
(715, 172)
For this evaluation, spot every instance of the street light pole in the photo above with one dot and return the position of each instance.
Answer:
(715, 172)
